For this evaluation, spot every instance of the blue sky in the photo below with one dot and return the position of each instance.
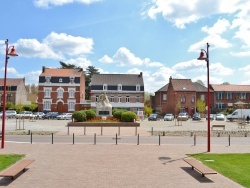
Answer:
(160, 38)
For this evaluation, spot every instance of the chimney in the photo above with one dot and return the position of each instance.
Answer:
(140, 75)
(43, 68)
(170, 79)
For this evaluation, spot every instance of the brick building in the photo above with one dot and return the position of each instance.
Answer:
(15, 90)
(61, 90)
(125, 91)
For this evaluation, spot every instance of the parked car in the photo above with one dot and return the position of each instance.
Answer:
(51, 115)
(211, 117)
(196, 116)
(183, 116)
(24, 114)
(168, 117)
(154, 117)
(39, 115)
(220, 117)
(64, 116)
(9, 113)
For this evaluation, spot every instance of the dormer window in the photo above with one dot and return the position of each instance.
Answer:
(105, 87)
(47, 79)
(119, 87)
(72, 80)
(138, 87)
(60, 80)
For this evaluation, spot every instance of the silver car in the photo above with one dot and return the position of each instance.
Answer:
(169, 117)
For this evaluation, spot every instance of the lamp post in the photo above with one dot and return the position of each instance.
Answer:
(205, 56)
(11, 53)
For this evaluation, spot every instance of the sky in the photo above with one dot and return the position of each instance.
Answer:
(160, 38)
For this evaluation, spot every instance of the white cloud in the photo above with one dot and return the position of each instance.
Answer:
(106, 59)
(47, 3)
(182, 12)
(191, 65)
(219, 69)
(54, 46)
(10, 70)
(32, 77)
(80, 62)
(240, 54)
(215, 41)
(218, 28)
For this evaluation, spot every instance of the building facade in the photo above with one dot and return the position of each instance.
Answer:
(124, 91)
(61, 90)
(15, 90)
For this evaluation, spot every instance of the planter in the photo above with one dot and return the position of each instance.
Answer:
(103, 124)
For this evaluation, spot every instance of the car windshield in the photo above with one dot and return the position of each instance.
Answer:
(182, 114)
(168, 115)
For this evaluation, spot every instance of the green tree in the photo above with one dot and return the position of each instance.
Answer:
(68, 66)
(147, 96)
(148, 110)
(200, 105)
(90, 70)
(177, 107)
(225, 83)
(200, 82)
(33, 89)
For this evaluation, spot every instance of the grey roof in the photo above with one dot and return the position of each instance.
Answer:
(115, 79)
(164, 88)
(199, 87)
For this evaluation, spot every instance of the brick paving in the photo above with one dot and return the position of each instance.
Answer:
(110, 165)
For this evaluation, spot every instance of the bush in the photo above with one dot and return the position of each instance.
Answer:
(128, 116)
(90, 114)
(79, 116)
(118, 114)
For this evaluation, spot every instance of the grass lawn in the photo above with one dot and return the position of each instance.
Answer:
(234, 166)
(7, 160)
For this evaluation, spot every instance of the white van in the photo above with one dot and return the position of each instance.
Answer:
(239, 114)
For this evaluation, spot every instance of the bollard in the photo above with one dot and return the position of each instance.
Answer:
(119, 131)
(95, 139)
(135, 131)
(84, 130)
(116, 138)
(163, 134)
(52, 139)
(152, 132)
(229, 141)
(31, 137)
(68, 129)
(245, 134)
(28, 132)
(73, 138)
(191, 134)
(159, 139)
(138, 139)
(194, 140)
(101, 131)
(218, 134)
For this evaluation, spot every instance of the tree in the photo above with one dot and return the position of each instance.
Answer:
(200, 105)
(225, 83)
(177, 107)
(31, 89)
(68, 66)
(90, 70)
(148, 110)
(200, 82)
(147, 96)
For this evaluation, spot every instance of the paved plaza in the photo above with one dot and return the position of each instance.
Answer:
(111, 165)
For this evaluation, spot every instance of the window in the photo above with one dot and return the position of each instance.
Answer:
(183, 99)
(47, 105)
(72, 80)
(243, 96)
(127, 98)
(71, 106)
(219, 95)
(119, 87)
(47, 92)
(60, 80)
(111, 98)
(119, 99)
(164, 97)
(219, 105)
(105, 87)
(203, 97)
(60, 93)
(137, 98)
(138, 88)
(47, 79)
(71, 93)
(193, 99)
(229, 95)
(96, 98)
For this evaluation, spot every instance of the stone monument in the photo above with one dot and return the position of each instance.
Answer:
(103, 107)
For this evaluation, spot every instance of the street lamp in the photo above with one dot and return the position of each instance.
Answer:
(205, 56)
(11, 53)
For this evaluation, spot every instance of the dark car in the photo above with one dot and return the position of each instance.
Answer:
(154, 117)
(51, 115)
(196, 116)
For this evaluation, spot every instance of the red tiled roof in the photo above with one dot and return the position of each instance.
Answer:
(183, 85)
(61, 72)
(11, 81)
(240, 88)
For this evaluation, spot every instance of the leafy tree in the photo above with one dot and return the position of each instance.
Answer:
(33, 89)
(10, 105)
(68, 66)
(201, 106)
(225, 83)
(177, 107)
(200, 82)
(90, 70)
(147, 96)
(148, 110)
